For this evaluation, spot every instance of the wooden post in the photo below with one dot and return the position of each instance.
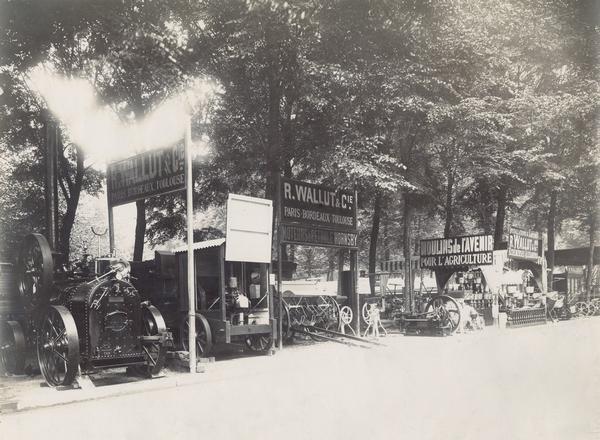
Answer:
(280, 248)
(222, 282)
(111, 231)
(50, 188)
(279, 293)
(354, 298)
(340, 270)
(544, 264)
(191, 279)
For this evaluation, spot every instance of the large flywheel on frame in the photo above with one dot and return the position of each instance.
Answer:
(35, 271)
(446, 310)
(153, 342)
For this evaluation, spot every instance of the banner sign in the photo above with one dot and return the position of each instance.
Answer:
(147, 174)
(297, 234)
(310, 204)
(524, 245)
(472, 250)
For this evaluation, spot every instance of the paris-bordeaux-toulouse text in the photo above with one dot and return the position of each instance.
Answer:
(147, 167)
(317, 216)
(157, 186)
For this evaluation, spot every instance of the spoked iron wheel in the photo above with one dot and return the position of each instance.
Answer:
(447, 309)
(333, 322)
(366, 311)
(35, 271)
(58, 346)
(346, 317)
(286, 323)
(581, 309)
(155, 351)
(204, 342)
(12, 348)
(591, 309)
(259, 343)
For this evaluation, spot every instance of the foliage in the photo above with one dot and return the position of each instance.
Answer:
(469, 109)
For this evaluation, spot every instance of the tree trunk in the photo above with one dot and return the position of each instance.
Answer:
(551, 230)
(406, 229)
(71, 197)
(500, 216)
(590, 265)
(273, 149)
(448, 207)
(373, 242)
(331, 257)
(386, 237)
(140, 230)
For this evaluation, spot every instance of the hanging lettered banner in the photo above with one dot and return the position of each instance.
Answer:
(472, 250)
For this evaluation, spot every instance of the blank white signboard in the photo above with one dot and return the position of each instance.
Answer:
(249, 223)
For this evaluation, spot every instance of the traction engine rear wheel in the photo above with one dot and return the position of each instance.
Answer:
(12, 348)
(58, 346)
(35, 271)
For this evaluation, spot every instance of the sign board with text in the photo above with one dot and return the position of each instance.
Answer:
(145, 175)
(472, 250)
(525, 245)
(249, 223)
(316, 205)
(297, 234)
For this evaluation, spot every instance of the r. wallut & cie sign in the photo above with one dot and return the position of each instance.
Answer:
(147, 174)
(525, 245)
(317, 215)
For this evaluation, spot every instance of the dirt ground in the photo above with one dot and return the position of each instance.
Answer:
(530, 383)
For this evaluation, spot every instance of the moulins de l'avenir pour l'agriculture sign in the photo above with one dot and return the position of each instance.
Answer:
(315, 214)
(472, 250)
(147, 174)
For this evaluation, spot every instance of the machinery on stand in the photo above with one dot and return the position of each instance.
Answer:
(441, 317)
(318, 318)
(233, 301)
(81, 320)
(311, 214)
(308, 315)
(232, 297)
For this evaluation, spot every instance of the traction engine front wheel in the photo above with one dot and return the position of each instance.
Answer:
(58, 346)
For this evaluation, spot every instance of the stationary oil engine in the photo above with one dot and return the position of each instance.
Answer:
(441, 317)
(85, 319)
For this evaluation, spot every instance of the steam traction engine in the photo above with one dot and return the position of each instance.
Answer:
(85, 319)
